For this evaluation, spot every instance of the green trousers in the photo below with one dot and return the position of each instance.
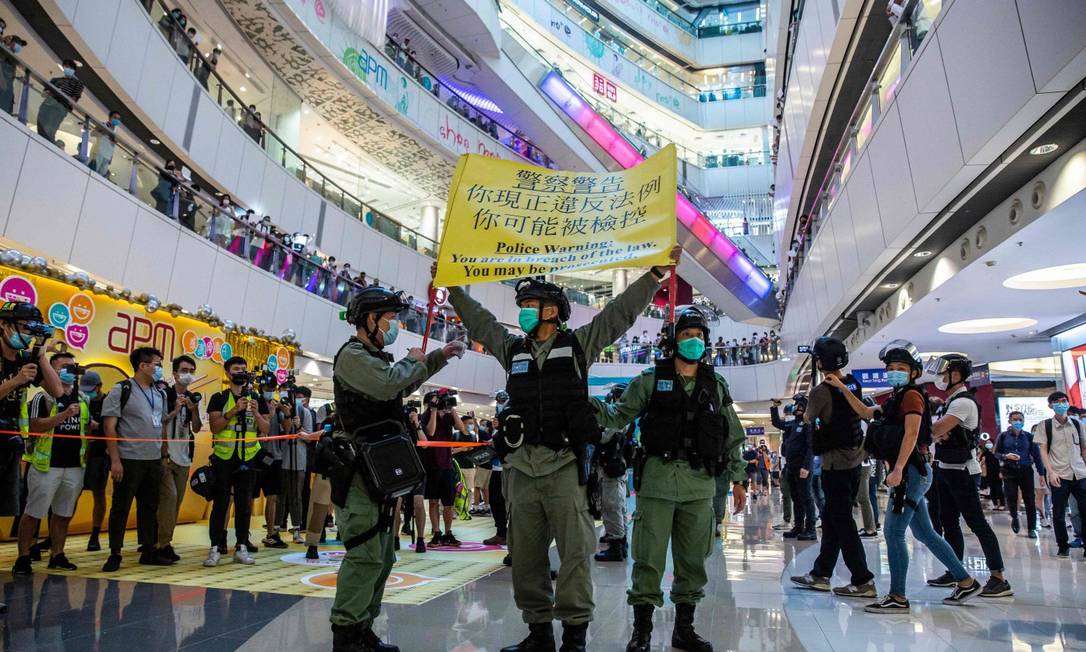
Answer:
(542, 509)
(688, 526)
(360, 585)
(720, 500)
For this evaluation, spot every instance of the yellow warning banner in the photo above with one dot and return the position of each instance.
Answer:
(509, 220)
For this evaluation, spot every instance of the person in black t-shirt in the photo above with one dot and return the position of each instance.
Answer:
(441, 475)
(96, 473)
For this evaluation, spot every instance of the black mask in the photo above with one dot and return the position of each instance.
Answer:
(240, 378)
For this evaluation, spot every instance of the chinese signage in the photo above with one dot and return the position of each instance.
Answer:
(604, 87)
(755, 431)
(871, 378)
(508, 220)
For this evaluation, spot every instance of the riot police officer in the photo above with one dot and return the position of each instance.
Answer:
(614, 453)
(690, 434)
(797, 448)
(546, 426)
(369, 391)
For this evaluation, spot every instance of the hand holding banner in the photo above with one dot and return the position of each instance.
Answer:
(508, 220)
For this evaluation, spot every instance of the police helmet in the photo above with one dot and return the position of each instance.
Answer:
(831, 352)
(20, 311)
(501, 396)
(616, 391)
(901, 351)
(800, 398)
(951, 362)
(373, 299)
(544, 291)
(693, 318)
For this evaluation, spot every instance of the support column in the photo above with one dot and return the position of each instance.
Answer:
(619, 281)
(430, 220)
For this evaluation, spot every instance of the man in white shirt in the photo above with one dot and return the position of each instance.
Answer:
(1063, 451)
(955, 436)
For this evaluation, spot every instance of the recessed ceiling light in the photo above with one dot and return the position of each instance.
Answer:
(922, 254)
(1041, 150)
(891, 286)
(241, 88)
(987, 325)
(247, 76)
(1049, 278)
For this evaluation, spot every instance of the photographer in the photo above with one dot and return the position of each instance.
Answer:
(236, 415)
(295, 458)
(467, 467)
(268, 472)
(55, 475)
(182, 423)
(418, 503)
(96, 473)
(613, 490)
(440, 420)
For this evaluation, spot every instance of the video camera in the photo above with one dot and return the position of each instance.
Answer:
(75, 369)
(441, 399)
(39, 330)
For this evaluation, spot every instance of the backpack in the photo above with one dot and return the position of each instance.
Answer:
(885, 435)
(1048, 431)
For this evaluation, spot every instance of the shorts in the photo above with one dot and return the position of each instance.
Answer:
(96, 474)
(321, 492)
(482, 478)
(58, 489)
(441, 485)
(269, 482)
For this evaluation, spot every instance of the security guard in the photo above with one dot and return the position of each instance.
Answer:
(549, 417)
(690, 434)
(369, 389)
(613, 452)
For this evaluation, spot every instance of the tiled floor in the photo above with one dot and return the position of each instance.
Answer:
(750, 606)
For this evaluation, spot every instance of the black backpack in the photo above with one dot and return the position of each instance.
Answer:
(885, 434)
(1048, 431)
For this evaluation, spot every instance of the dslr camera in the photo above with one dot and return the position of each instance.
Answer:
(441, 399)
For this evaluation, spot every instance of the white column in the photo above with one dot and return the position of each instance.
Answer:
(619, 281)
(430, 220)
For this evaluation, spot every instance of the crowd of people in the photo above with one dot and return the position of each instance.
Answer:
(643, 349)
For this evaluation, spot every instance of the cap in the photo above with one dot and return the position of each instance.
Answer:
(89, 381)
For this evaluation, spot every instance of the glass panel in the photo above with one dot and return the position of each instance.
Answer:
(865, 127)
(890, 78)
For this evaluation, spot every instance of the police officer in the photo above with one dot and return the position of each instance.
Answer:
(799, 463)
(369, 389)
(613, 451)
(690, 434)
(548, 418)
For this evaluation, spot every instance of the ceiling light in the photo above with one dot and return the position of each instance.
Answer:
(891, 286)
(922, 254)
(241, 88)
(247, 76)
(155, 141)
(1049, 278)
(987, 325)
(1041, 150)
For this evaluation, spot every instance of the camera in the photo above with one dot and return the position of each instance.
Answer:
(412, 406)
(39, 330)
(442, 399)
(196, 397)
(75, 369)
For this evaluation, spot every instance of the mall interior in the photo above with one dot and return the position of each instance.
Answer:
(220, 178)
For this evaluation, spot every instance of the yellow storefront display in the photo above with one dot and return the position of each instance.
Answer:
(509, 220)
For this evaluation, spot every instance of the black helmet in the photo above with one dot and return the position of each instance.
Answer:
(831, 352)
(901, 351)
(951, 362)
(537, 288)
(693, 318)
(20, 311)
(501, 396)
(373, 299)
(616, 391)
(800, 399)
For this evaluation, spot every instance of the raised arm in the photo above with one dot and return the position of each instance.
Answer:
(629, 406)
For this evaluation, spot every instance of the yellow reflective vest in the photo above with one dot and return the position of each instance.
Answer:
(41, 454)
(223, 448)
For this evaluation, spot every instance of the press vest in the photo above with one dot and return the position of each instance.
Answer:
(958, 447)
(241, 427)
(355, 410)
(681, 427)
(552, 401)
(843, 429)
(42, 453)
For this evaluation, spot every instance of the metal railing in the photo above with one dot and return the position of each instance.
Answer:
(722, 29)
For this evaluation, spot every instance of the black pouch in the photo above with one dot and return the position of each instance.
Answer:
(202, 482)
(390, 467)
(337, 461)
(477, 456)
(638, 467)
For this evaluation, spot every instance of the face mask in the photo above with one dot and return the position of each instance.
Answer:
(528, 319)
(91, 395)
(1061, 408)
(269, 396)
(16, 341)
(239, 378)
(157, 375)
(116, 122)
(941, 385)
(393, 332)
(1018, 425)
(66, 377)
(692, 348)
(988, 446)
(897, 378)
(17, 48)
(69, 72)
(471, 429)
(185, 378)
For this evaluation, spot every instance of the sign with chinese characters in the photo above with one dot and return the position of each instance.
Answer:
(871, 378)
(604, 87)
(755, 431)
(508, 220)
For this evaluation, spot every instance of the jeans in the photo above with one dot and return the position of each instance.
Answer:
(932, 496)
(959, 496)
(140, 482)
(1017, 479)
(230, 475)
(802, 499)
(914, 516)
(1076, 488)
(839, 534)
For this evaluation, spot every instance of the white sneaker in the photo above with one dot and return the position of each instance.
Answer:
(213, 557)
(243, 557)
(298, 538)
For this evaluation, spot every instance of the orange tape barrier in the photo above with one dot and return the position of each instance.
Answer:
(422, 444)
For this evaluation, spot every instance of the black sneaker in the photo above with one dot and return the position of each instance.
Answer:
(1014, 527)
(112, 564)
(311, 553)
(274, 541)
(507, 560)
(437, 540)
(92, 544)
(962, 595)
(396, 543)
(946, 580)
(22, 566)
(450, 540)
(807, 536)
(812, 582)
(791, 534)
(868, 535)
(168, 553)
(888, 605)
(61, 562)
(1032, 534)
(35, 553)
(1063, 552)
(420, 545)
(153, 558)
(997, 588)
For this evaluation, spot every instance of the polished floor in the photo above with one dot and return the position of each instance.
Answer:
(750, 606)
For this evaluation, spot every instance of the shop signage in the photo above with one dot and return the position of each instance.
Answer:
(604, 88)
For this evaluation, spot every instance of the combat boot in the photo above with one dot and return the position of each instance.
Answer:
(349, 638)
(616, 551)
(370, 638)
(641, 639)
(683, 637)
(573, 637)
(540, 639)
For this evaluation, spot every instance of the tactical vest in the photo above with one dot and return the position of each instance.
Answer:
(355, 410)
(552, 401)
(239, 435)
(843, 429)
(41, 455)
(958, 447)
(681, 427)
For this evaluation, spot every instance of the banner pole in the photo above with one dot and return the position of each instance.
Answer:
(429, 317)
(672, 289)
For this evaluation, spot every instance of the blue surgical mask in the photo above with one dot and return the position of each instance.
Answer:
(1018, 425)
(66, 377)
(17, 48)
(897, 378)
(69, 72)
(116, 122)
(692, 348)
(157, 373)
(988, 446)
(1061, 408)
(269, 396)
(393, 331)
(528, 319)
(90, 396)
(17, 342)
